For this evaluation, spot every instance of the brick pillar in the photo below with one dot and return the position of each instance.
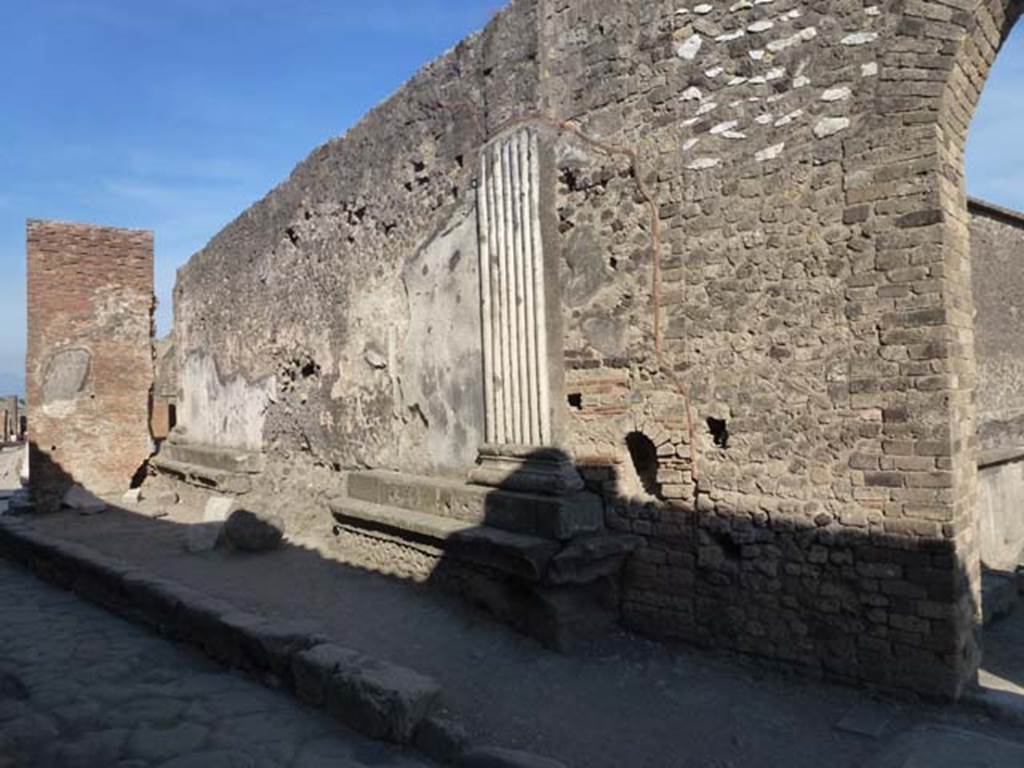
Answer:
(89, 367)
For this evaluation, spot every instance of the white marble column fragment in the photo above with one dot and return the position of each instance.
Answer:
(512, 288)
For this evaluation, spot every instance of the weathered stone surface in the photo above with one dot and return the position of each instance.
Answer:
(493, 757)
(82, 501)
(254, 531)
(381, 700)
(440, 738)
(203, 537)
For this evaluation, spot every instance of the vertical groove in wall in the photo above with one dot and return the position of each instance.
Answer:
(512, 287)
(529, 267)
(541, 346)
(502, 294)
(483, 233)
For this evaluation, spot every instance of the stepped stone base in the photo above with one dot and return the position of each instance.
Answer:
(556, 517)
(564, 618)
(542, 563)
(225, 470)
(528, 469)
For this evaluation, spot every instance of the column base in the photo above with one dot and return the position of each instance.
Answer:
(528, 469)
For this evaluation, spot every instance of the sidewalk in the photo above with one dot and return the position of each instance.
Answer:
(630, 702)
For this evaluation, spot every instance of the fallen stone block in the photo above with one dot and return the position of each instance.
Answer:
(253, 531)
(493, 757)
(218, 509)
(202, 537)
(82, 501)
(312, 668)
(133, 496)
(441, 739)
(378, 699)
(381, 700)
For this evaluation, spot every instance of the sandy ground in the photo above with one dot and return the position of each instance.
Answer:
(632, 703)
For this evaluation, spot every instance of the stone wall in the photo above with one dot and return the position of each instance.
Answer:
(757, 230)
(10, 419)
(163, 414)
(89, 368)
(997, 274)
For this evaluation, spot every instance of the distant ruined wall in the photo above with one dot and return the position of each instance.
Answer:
(755, 220)
(10, 419)
(997, 274)
(89, 367)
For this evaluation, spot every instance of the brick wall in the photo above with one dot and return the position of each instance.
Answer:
(997, 260)
(89, 366)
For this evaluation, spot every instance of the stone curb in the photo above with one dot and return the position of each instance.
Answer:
(1001, 706)
(381, 700)
(376, 698)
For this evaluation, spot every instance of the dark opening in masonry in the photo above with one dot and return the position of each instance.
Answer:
(576, 401)
(719, 430)
(644, 455)
(292, 235)
(172, 416)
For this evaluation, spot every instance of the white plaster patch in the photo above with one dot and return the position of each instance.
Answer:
(803, 36)
(800, 81)
(776, 73)
(873, 10)
(869, 70)
(760, 26)
(860, 38)
(713, 72)
(726, 126)
(690, 144)
(707, 107)
(734, 135)
(742, 5)
(796, 114)
(830, 126)
(690, 48)
(704, 163)
(839, 93)
(692, 94)
(703, 9)
(796, 13)
(756, 55)
(737, 81)
(770, 153)
(730, 36)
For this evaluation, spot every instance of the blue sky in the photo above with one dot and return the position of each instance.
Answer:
(177, 115)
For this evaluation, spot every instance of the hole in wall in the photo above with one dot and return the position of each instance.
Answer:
(719, 429)
(576, 401)
(292, 235)
(172, 416)
(644, 455)
(613, 263)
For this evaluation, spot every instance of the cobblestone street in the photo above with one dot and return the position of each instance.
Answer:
(80, 688)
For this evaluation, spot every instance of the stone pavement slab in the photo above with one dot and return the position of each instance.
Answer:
(937, 747)
(80, 688)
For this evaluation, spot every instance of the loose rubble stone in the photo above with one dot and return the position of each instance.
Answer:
(82, 501)
(254, 531)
